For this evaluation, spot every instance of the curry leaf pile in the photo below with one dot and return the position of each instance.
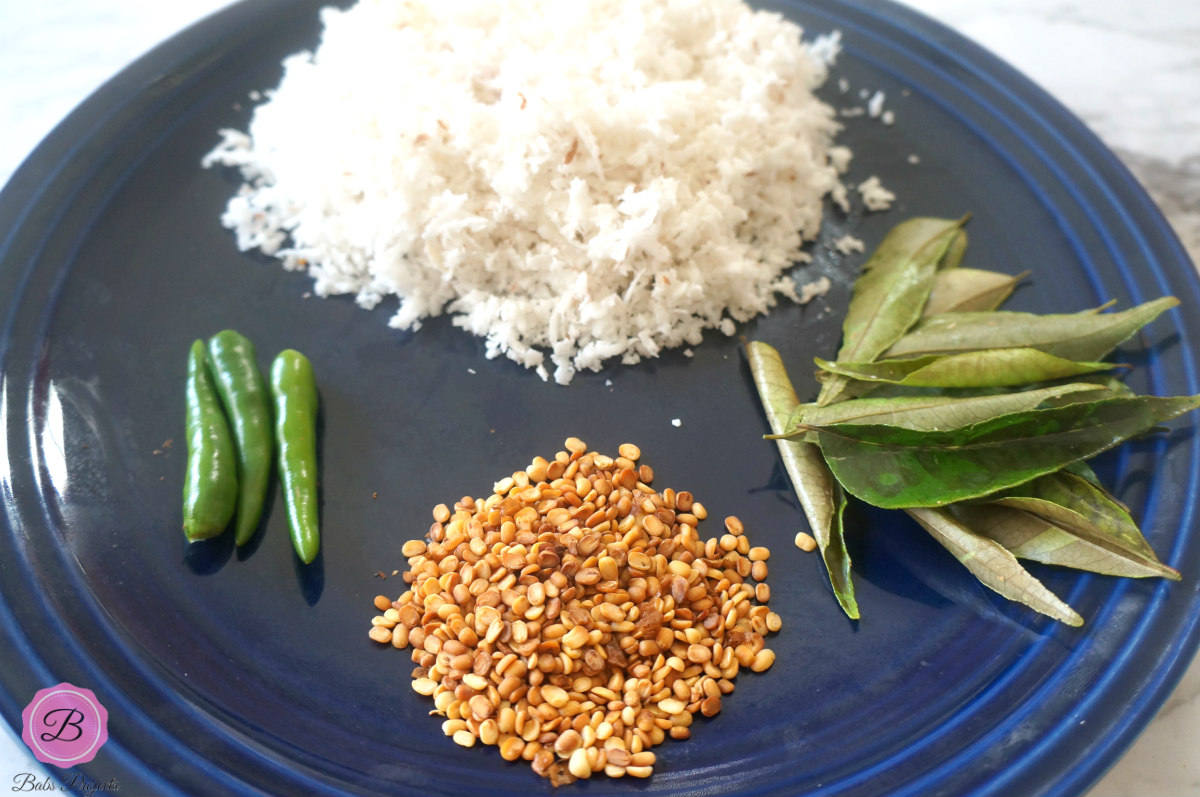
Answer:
(977, 422)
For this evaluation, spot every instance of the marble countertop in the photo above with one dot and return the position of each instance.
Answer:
(1130, 70)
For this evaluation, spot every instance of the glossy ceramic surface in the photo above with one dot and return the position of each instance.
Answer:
(241, 672)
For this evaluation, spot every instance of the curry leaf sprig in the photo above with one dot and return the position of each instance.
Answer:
(976, 422)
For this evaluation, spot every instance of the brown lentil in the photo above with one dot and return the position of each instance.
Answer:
(574, 618)
(758, 570)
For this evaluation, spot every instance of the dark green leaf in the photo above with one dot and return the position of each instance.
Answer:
(1087, 512)
(896, 468)
(929, 412)
(1088, 335)
(969, 289)
(993, 565)
(986, 368)
(1084, 471)
(820, 494)
(891, 291)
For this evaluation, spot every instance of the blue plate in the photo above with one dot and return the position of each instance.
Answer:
(239, 672)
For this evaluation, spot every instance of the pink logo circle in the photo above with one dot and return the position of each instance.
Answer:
(64, 725)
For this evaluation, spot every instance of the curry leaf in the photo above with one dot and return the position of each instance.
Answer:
(891, 292)
(955, 251)
(1030, 537)
(896, 468)
(927, 413)
(1088, 335)
(1075, 505)
(993, 564)
(1103, 386)
(986, 368)
(820, 494)
(1084, 471)
(969, 289)
(968, 420)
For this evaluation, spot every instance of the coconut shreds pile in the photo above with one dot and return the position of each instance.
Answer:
(584, 180)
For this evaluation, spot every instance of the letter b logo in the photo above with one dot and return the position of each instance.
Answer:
(64, 725)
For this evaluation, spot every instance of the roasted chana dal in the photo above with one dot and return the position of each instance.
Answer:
(575, 618)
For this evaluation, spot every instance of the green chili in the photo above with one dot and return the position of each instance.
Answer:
(295, 392)
(243, 392)
(210, 484)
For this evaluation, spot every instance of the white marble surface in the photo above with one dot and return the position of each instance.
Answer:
(1129, 68)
